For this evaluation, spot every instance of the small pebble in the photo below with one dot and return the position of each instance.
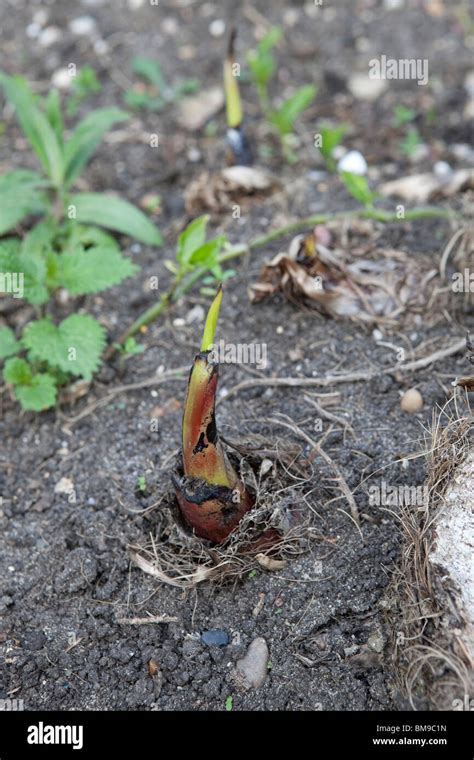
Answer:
(215, 638)
(49, 36)
(442, 169)
(195, 315)
(252, 669)
(353, 162)
(217, 27)
(61, 79)
(412, 401)
(179, 322)
(82, 25)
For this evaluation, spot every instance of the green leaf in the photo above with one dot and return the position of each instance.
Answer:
(92, 270)
(207, 254)
(149, 70)
(74, 346)
(39, 394)
(192, 238)
(8, 343)
(358, 187)
(20, 196)
(17, 372)
(54, 115)
(261, 62)
(330, 139)
(39, 238)
(32, 268)
(229, 703)
(86, 138)
(36, 126)
(115, 214)
(284, 118)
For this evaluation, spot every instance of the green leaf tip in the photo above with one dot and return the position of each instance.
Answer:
(211, 321)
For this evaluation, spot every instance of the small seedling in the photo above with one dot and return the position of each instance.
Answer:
(411, 142)
(129, 348)
(211, 497)
(153, 92)
(358, 187)
(238, 146)
(141, 484)
(229, 703)
(403, 115)
(262, 64)
(331, 137)
(84, 84)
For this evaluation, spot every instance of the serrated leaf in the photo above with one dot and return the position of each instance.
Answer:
(86, 138)
(39, 238)
(74, 346)
(39, 395)
(30, 272)
(284, 118)
(92, 270)
(192, 238)
(115, 214)
(35, 125)
(20, 196)
(8, 343)
(17, 372)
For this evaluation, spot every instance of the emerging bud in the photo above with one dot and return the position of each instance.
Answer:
(211, 496)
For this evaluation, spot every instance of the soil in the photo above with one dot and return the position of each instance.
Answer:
(66, 574)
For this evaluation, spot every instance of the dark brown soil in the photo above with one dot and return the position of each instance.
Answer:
(66, 576)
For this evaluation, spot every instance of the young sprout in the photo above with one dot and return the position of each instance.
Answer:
(239, 149)
(211, 496)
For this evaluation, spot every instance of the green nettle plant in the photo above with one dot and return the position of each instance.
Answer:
(66, 249)
(211, 497)
(262, 65)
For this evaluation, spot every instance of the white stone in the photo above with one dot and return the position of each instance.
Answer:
(364, 88)
(49, 36)
(61, 79)
(217, 27)
(82, 25)
(442, 169)
(353, 162)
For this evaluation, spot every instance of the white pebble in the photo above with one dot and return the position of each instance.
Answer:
(217, 27)
(82, 25)
(179, 322)
(49, 36)
(442, 169)
(353, 162)
(33, 31)
(61, 79)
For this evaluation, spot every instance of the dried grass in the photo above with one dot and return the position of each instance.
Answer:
(431, 665)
